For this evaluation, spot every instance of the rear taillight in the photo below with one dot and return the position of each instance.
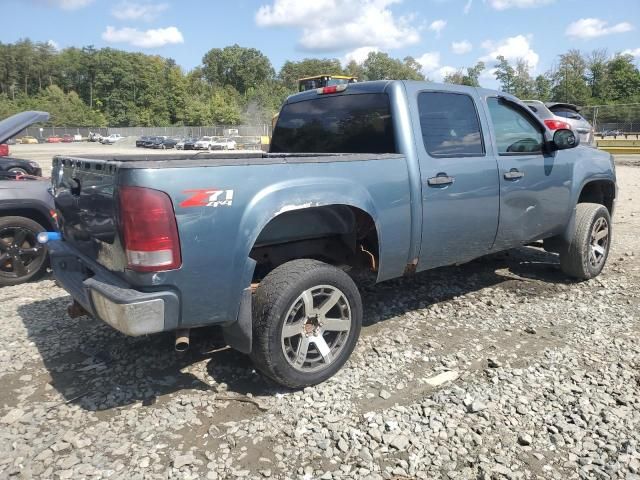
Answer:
(149, 229)
(556, 124)
(332, 89)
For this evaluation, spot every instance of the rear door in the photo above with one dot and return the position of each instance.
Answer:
(534, 184)
(460, 188)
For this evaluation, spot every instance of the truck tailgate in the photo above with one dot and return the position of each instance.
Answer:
(87, 210)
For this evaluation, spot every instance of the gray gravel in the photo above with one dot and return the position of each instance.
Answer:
(500, 368)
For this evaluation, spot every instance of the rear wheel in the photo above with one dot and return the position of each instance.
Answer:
(19, 171)
(307, 319)
(587, 253)
(22, 258)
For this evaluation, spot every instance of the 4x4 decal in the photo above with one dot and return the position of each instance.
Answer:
(208, 198)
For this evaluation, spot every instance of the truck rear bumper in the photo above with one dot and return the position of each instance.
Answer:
(109, 299)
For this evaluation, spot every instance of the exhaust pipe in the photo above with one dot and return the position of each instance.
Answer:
(182, 340)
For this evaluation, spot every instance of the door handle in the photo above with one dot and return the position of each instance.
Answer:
(513, 174)
(440, 180)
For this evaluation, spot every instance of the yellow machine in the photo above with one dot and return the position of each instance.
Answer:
(320, 81)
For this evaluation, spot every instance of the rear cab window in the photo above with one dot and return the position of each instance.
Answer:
(351, 123)
(450, 125)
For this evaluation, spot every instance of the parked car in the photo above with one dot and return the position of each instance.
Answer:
(54, 139)
(26, 208)
(556, 115)
(20, 166)
(190, 144)
(111, 139)
(395, 176)
(223, 144)
(94, 137)
(67, 138)
(77, 137)
(141, 141)
(27, 140)
(163, 143)
(205, 143)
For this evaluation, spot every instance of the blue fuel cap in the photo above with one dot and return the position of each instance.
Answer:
(46, 237)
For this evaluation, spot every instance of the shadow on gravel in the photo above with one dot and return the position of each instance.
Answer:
(97, 368)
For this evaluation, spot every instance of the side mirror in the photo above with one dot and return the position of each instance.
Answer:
(564, 138)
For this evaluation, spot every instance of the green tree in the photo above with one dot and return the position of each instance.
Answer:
(505, 74)
(523, 85)
(380, 66)
(240, 67)
(471, 78)
(569, 79)
(624, 79)
(542, 88)
(308, 67)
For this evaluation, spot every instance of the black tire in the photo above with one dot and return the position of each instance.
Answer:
(33, 265)
(18, 170)
(581, 259)
(276, 295)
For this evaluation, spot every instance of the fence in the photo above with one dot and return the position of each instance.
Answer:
(178, 132)
(614, 119)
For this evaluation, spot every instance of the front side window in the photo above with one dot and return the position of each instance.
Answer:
(336, 124)
(450, 125)
(516, 133)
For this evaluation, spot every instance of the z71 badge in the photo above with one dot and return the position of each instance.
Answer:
(208, 198)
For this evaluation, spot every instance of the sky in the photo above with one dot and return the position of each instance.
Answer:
(443, 35)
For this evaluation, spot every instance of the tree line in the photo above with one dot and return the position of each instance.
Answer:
(99, 87)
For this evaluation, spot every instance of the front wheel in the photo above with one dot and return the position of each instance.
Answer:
(587, 253)
(22, 258)
(307, 320)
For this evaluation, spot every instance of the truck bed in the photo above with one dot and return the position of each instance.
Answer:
(174, 160)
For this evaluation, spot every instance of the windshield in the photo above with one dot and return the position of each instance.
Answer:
(336, 124)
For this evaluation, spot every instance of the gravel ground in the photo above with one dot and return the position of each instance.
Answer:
(499, 368)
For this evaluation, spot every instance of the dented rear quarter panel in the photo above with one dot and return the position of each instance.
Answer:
(216, 240)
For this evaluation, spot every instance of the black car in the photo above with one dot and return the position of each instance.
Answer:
(20, 166)
(190, 144)
(141, 141)
(149, 142)
(164, 142)
(26, 209)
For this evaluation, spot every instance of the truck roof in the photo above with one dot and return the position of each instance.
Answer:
(379, 86)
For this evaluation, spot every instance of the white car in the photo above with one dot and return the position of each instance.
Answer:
(111, 139)
(223, 144)
(204, 143)
(77, 137)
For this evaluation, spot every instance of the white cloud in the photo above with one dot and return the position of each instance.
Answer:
(359, 55)
(431, 67)
(335, 25)
(144, 39)
(461, 47)
(430, 61)
(467, 7)
(512, 48)
(437, 26)
(66, 4)
(586, 28)
(506, 4)
(635, 52)
(54, 44)
(148, 12)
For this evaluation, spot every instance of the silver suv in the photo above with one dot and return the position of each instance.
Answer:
(564, 112)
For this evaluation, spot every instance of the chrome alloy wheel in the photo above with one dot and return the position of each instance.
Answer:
(599, 242)
(316, 328)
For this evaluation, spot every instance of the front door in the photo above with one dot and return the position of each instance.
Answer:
(460, 188)
(535, 185)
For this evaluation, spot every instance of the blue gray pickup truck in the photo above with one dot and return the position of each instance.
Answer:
(393, 176)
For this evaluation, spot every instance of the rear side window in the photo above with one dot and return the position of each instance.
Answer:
(566, 113)
(336, 124)
(450, 125)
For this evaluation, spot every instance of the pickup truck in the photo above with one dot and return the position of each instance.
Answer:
(393, 176)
